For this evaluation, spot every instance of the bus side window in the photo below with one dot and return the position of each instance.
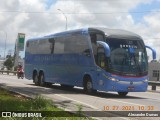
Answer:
(100, 37)
(52, 41)
(94, 43)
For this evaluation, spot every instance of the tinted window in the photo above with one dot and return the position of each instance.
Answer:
(38, 47)
(32, 47)
(76, 44)
(128, 56)
(59, 45)
(43, 47)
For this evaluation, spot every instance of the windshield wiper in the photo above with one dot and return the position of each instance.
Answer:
(137, 64)
(122, 64)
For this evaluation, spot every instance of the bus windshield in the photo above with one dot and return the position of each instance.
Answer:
(128, 57)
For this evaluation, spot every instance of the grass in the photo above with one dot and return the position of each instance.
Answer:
(14, 102)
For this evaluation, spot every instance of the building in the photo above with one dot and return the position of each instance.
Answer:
(154, 71)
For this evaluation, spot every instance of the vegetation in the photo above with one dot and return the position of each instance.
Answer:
(14, 102)
(80, 107)
(9, 63)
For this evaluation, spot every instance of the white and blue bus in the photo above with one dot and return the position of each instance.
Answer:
(93, 58)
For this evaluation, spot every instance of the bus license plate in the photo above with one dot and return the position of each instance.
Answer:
(131, 88)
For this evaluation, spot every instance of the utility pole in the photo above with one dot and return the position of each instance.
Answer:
(64, 16)
(16, 54)
(5, 42)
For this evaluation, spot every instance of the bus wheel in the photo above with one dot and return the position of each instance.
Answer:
(122, 94)
(35, 79)
(41, 80)
(88, 87)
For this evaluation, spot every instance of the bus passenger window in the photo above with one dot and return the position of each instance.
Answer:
(52, 41)
(100, 37)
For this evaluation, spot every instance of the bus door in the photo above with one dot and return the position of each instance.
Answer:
(96, 36)
(101, 65)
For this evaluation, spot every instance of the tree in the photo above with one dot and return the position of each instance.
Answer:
(9, 63)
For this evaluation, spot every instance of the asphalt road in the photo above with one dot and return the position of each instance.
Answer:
(101, 101)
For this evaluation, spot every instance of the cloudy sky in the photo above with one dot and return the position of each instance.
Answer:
(41, 17)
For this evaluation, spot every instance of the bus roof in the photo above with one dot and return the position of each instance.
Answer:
(118, 33)
(81, 31)
(110, 33)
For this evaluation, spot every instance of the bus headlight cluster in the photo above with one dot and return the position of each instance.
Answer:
(111, 78)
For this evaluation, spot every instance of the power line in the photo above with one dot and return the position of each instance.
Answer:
(151, 38)
(99, 0)
(110, 12)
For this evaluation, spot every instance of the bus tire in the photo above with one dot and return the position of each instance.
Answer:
(42, 79)
(88, 86)
(35, 79)
(122, 94)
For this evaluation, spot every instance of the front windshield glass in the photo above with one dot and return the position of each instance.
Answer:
(128, 57)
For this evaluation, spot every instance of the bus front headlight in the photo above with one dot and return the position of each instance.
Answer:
(113, 79)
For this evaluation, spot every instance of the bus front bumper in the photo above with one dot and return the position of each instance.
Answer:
(129, 86)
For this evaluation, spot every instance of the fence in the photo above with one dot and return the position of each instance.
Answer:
(8, 72)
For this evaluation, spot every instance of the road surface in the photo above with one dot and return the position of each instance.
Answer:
(101, 101)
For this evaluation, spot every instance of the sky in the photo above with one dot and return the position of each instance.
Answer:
(42, 17)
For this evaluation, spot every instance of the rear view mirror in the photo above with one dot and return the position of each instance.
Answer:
(101, 57)
(105, 47)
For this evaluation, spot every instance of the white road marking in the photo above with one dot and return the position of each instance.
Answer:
(119, 101)
(127, 102)
(86, 105)
(96, 108)
(78, 101)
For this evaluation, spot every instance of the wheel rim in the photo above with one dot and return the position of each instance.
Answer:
(89, 86)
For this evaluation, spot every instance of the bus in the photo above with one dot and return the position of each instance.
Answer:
(93, 58)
